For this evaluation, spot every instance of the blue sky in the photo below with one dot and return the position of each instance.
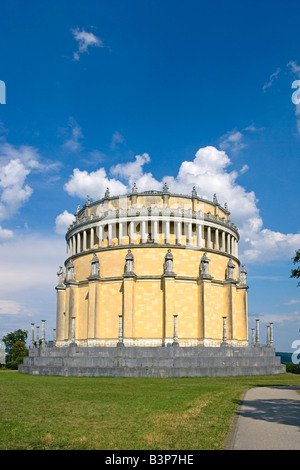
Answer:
(105, 93)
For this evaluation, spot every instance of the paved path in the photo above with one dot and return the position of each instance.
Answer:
(268, 419)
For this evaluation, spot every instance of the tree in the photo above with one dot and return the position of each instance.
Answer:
(296, 272)
(16, 349)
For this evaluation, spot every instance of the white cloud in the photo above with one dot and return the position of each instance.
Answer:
(272, 77)
(6, 234)
(209, 172)
(233, 140)
(292, 302)
(63, 221)
(93, 184)
(117, 138)
(16, 164)
(85, 40)
(73, 144)
(10, 307)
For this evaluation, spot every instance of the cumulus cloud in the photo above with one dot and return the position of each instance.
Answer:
(85, 40)
(63, 221)
(16, 164)
(93, 184)
(210, 173)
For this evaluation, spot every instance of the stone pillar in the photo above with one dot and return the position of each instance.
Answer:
(223, 241)
(257, 343)
(271, 335)
(189, 234)
(175, 335)
(73, 245)
(54, 336)
(43, 332)
(100, 235)
(38, 336)
(92, 237)
(268, 336)
(131, 232)
(216, 239)
(120, 337)
(32, 336)
(78, 242)
(228, 243)
(143, 229)
(73, 330)
(224, 339)
(167, 232)
(155, 231)
(109, 236)
(178, 234)
(208, 241)
(252, 337)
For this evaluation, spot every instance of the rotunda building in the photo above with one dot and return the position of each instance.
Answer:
(152, 269)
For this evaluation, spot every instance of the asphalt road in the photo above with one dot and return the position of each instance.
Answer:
(268, 419)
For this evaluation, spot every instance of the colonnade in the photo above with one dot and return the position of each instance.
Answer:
(193, 233)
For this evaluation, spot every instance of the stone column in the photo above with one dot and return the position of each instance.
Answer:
(43, 332)
(223, 241)
(38, 336)
(131, 232)
(268, 336)
(228, 243)
(92, 237)
(32, 336)
(100, 235)
(178, 234)
(155, 231)
(252, 337)
(217, 239)
(54, 336)
(271, 335)
(78, 242)
(109, 236)
(73, 330)
(167, 232)
(73, 245)
(208, 241)
(224, 339)
(143, 229)
(257, 343)
(175, 335)
(120, 337)
(189, 234)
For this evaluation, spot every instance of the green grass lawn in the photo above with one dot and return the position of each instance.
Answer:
(121, 414)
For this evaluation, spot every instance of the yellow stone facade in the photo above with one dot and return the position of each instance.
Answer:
(181, 281)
